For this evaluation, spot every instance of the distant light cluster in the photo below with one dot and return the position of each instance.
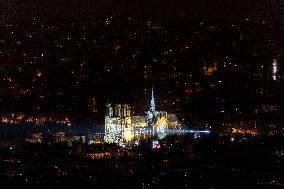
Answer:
(36, 120)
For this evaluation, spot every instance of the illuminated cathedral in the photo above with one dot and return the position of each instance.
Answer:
(124, 129)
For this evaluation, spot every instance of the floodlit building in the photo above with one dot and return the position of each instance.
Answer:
(209, 70)
(123, 128)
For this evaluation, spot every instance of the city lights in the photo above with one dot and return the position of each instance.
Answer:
(141, 94)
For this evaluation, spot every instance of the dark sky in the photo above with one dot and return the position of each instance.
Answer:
(26, 9)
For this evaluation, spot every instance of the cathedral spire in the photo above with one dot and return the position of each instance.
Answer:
(152, 107)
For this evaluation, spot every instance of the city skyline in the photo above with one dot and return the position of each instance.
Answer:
(141, 94)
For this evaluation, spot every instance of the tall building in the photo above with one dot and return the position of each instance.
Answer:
(274, 69)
